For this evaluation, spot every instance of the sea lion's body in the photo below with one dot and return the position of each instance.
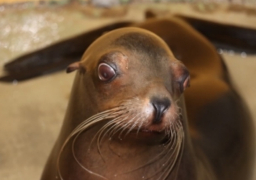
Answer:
(145, 135)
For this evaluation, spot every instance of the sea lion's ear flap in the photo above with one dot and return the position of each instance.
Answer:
(72, 67)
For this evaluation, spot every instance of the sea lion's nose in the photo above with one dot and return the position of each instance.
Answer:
(160, 106)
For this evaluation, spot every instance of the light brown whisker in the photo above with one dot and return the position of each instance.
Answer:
(136, 119)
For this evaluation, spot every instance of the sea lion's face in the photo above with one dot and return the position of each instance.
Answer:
(138, 72)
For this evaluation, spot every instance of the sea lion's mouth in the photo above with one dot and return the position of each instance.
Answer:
(150, 132)
(147, 136)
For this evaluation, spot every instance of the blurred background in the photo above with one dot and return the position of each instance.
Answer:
(31, 111)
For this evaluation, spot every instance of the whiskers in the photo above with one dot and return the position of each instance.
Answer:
(99, 117)
(120, 122)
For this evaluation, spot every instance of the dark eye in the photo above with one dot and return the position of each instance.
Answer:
(106, 72)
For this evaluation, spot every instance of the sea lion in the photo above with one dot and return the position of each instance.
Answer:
(126, 118)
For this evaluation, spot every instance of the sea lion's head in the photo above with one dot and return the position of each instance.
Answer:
(134, 69)
(130, 80)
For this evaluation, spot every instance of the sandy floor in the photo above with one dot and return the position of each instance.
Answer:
(31, 112)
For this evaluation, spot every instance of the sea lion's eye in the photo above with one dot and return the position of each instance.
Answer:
(106, 72)
(182, 77)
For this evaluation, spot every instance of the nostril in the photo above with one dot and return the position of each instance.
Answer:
(160, 106)
(159, 109)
